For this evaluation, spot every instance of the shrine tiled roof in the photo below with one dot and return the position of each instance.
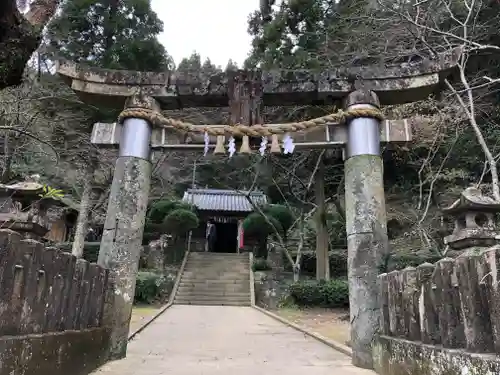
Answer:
(224, 200)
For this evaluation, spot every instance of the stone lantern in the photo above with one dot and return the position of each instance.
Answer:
(474, 216)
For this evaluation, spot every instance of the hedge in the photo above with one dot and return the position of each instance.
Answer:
(261, 264)
(149, 287)
(338, 262)
(332, 293)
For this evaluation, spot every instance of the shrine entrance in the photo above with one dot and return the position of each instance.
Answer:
(358, 130)
(227, 237)
(226, 209)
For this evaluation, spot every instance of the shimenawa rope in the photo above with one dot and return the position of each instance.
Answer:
(259, 130)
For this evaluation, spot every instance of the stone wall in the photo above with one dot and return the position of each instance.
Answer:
(443, 318)
(51, 310)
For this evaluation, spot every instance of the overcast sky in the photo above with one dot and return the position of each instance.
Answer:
(214, 28)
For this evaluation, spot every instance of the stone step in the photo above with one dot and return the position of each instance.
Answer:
(217, 265)
(215, 262)
(210, 270)
(214, 303)
(223, 265)
(212, 293)
(215, 276)
(217, 256)
(215, 279)
(212, 282)
(219, 299)
(233, 286)
(219, 259)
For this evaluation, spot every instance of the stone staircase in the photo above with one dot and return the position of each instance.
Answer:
(215, 279)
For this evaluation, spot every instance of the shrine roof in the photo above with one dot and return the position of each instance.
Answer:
(224, 200)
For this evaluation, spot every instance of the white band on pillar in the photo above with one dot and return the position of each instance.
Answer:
(363, 134)
(136, 138)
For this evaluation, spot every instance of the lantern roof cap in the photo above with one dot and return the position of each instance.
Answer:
(472, 199)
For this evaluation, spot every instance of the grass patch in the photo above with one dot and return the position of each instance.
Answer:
(141, 314)
(330, 323)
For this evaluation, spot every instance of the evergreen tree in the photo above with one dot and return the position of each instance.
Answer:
(288, 36)
(231, 66)
(192, 65)
(113, 34)
(311, 34)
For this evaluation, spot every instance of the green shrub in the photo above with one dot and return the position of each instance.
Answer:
(152, 231)
(256, 225)
(180, 221)
(332, 293)
(261, 264)
(338, 262)
(281, 213)
(160, 209)
(149, 287)
(91, 251)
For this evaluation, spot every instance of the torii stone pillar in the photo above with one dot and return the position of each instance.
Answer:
(124, 226)
(366, 225)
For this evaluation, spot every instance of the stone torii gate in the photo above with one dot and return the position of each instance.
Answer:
(359, 131)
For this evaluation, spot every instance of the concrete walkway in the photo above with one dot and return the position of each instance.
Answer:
(209, 340)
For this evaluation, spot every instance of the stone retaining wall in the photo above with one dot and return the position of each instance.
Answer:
(443, 318)
(52, 310)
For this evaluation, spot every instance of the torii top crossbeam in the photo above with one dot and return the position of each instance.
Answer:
(393, 85)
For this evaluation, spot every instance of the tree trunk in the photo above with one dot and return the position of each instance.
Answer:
(322, 260)
(83, 215)
(6, 171)
(20, 36)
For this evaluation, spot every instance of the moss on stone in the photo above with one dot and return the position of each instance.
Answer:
(394, 356)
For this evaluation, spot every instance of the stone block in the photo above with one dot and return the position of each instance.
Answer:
(429, 317)
(477, 325)
(58, 353)
(385, 327)
(411, 318)
(490, 280)
(393, 356)
(450, 315)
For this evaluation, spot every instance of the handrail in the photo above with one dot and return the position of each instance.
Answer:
(252, 281)
(178, 278)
